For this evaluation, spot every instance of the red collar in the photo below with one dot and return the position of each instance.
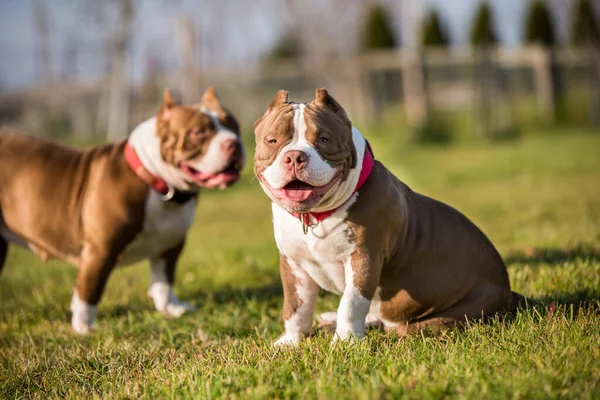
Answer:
(367, 166)
(142, 172)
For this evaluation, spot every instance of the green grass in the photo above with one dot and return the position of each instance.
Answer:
(538, 199)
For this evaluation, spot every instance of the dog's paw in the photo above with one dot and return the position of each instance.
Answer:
(177, 308)
(166, 301)
(347, 335)
(83, 317)
(288, 340)
(81, 327)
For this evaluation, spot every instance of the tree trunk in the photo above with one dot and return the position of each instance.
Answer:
(118, 103)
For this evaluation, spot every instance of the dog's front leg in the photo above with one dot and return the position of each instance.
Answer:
(94, 269)
(299, 297)
(356, 301)
(161, 283)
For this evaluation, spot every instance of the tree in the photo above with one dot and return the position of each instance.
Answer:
(287, 47)
(483, 32)
(42, 31)
(378, 32)
(118, 95)
(434, 33)
(585, 30)
(538, 25)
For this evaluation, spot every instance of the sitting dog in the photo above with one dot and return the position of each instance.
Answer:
(344, 223)
(119, 203)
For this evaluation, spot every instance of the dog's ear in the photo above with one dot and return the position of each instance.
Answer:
(167, 104)
(280, 98)
(210, 100)
(325, 100)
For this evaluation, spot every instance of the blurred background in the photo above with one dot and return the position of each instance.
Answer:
(448, 70)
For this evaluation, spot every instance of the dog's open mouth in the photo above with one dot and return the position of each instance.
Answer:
(221, 179)
(297, 190)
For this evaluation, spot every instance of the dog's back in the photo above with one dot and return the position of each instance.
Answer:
(42, 185)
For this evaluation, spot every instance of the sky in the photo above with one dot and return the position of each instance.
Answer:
(247, 28)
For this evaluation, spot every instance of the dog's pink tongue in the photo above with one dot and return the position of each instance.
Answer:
(297, 191)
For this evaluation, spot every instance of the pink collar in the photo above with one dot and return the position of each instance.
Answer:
(149, 179)
(367, 166)
(155, 182)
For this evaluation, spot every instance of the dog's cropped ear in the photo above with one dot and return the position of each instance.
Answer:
(325, 100)
(280, 98)
(210, 100)
(167, 104)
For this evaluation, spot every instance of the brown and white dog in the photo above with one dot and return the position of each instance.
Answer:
(119, 203)
(344, 223)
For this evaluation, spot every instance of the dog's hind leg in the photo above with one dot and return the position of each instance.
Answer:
(161, 284)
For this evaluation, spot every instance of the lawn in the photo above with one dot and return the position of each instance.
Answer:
(538, 199)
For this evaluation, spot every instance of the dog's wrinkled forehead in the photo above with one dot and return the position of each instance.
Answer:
(184, 131)
(321, 124)
(189, 118)
(323, 111)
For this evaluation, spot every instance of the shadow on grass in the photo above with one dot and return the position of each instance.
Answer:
(553, 256)
(269, 292)
(581, 299)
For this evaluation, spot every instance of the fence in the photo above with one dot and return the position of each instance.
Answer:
(492, 86)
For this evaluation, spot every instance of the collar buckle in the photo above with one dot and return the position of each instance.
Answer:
(169, 195)
(305, 220)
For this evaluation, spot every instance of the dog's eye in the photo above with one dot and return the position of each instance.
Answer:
(195, 131)
(272, 141)
(323, 139)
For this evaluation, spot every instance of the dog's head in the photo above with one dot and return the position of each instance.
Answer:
(202, 141)
(303, 150)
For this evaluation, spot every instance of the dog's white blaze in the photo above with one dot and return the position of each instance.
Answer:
(317, 172)
(165, 226)
(84, 315)
(162, 293)
(215, 159)
(353, 309)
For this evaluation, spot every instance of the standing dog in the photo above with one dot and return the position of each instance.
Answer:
(119, 203)
(344, 223)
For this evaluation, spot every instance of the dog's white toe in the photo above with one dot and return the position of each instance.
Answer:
(83, 317)
(287, 340)
(177, 308)
(345, 335)
(82, 328)
(166, 301)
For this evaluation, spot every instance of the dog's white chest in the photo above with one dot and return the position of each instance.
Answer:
(322, 252)
(165, 226)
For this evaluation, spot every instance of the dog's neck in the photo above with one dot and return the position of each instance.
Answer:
(343, 191)
(147, 146)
